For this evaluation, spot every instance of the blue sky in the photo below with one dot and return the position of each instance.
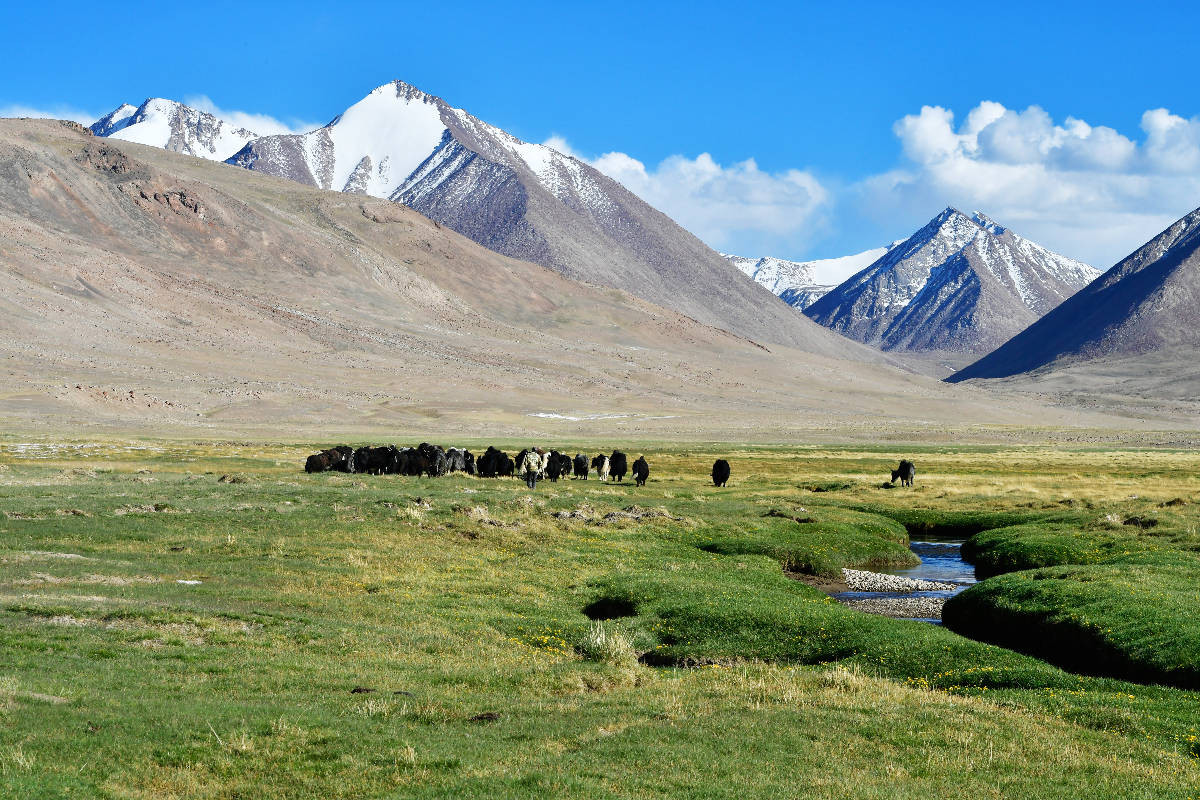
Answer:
(844, 108)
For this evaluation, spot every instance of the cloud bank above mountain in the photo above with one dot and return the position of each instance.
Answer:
(1085, 190)
(1088, 191)
(262, 124)
(728, 206)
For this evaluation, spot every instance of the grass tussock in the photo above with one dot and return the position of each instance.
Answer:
(607, 644)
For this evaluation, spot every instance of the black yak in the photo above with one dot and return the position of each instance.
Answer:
(338, 459)
(554, 466)
(491, 463)
(720, 472)
(905, 472)
(433, 459)
(360, 459)
(581, 466)
(619, 465)
(457, 461)
(559, 465)
(412, 462)
(641, 471)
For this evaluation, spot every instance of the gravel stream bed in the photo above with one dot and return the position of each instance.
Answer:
(858, 580)
(899, 607)
(894, 595)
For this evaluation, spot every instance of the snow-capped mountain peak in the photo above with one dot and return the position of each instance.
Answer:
(523, 200)
(961, 283)
(802, 283)
(174, 126)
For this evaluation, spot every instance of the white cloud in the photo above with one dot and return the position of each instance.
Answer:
(57, 112)
(731, 207)
(1088, 191)
(262, 124)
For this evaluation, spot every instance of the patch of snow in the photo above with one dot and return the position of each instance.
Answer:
(551, 415)
(397, 127)
(174, 126)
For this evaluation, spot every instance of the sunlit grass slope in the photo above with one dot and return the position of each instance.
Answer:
(205, 620)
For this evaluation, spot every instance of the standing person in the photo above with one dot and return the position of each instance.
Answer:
(530, 466)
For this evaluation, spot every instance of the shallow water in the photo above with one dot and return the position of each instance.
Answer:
(941, 561)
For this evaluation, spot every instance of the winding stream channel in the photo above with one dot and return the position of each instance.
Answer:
(941, 561)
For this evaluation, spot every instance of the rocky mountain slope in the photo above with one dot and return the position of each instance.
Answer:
(140, 287)
(1134, 329)
(527, 201)
(175, 127)
(962, 285)
(802, 283)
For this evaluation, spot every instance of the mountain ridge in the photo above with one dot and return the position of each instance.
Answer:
(530, 202)
(1142, 309)
(960, 285)
(173, 126)
(194, 296)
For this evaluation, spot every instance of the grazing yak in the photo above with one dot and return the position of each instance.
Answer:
(641, 471)
(460, 461)
(338, 459)
(377, 460)
(491, 463)
(559, 465)
(720, 473)
(618, 465)
(430, 459)
(412, 462)
(581, 466)
(601, 464)
(905, 472)
(553, 466)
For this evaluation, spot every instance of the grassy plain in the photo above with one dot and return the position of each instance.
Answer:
(359, 636)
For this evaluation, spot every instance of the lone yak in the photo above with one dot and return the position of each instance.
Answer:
(641, 471)
(720, 473)
(905, 472)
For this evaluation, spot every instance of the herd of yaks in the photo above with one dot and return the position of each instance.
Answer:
(435, 461)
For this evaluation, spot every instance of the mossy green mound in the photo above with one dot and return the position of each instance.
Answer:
(819, 542)
(1132, 621)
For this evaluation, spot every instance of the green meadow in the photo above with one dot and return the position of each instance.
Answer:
(205, 620)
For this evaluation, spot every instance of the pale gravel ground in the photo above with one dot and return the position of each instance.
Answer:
(863, 581)
(900, 607)
(858, 580)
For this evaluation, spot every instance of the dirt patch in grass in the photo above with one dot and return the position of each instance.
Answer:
(637, 514)
(148, 508)
(828, 584)
(151, 632)
(32, 555)
(39, 578)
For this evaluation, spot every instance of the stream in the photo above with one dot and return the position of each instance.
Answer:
(941, 561)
